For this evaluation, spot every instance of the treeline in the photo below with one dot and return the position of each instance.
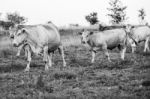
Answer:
(6, 24)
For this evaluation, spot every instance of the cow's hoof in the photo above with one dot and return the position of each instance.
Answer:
(92, 62)
(64, 65)
(27, 69)
(122, 59)
(46, 68)
(17, 55)
(110, 61)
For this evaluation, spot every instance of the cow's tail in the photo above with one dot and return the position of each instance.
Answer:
(126, 40)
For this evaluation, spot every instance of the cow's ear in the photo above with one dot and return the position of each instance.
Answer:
(24, 31)
(91, 32)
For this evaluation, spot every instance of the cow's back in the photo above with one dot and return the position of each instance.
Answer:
(112, 35)
(43, 34)
(141, 32)
(109, 37)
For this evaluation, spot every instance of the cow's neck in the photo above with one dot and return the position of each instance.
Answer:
(88, 40)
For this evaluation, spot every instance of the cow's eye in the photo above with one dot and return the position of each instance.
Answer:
(18, 34)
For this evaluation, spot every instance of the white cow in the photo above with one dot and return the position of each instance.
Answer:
(105, 40)
(42, 40)
(139, 34)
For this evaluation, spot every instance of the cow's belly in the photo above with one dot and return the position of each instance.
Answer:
(140, 38)
(112, 46)
(109, 45)
(52, 47)
(113, 43)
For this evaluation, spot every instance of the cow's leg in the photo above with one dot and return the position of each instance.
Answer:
(123, 53)
(93, 56)
(45, 58)
(19, 50)
(107, 55)
(106, 52)
(50, 59)
(146, 44)
(28, 52)
(133, 47)
(61, 50)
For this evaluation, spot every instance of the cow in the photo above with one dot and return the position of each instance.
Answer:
(43, 40)
(105, 40)
(139, 34)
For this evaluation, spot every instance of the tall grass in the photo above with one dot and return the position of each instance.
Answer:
(71, 41)
(6, 48)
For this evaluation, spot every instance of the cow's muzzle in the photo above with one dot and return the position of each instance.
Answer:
(11, 36)
(15, 45)
(83, 42)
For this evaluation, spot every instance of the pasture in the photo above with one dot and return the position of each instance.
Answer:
(80, 79)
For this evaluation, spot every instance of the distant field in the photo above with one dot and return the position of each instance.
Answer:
(80, 79)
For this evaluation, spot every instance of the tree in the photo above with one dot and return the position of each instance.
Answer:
(118, 14)
(141, 16)
(6, 25)
(92, 18)
(15, 18)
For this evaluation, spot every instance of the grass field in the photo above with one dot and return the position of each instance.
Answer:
(80, 79)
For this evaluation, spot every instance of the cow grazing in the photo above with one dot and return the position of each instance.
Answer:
(43, 40)
(105, 40)
(139, 34)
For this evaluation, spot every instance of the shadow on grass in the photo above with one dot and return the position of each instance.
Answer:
(11, 68)
(79, 63)
(116, 64)
(18, 67)
(145, 53)
(145, 66)
(64, 75)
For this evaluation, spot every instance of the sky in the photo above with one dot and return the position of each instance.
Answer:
(64, 12)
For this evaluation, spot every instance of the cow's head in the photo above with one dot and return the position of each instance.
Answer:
(84, 36)
(19, 37)
(131, 38)
(128, 28)
(13, 31)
